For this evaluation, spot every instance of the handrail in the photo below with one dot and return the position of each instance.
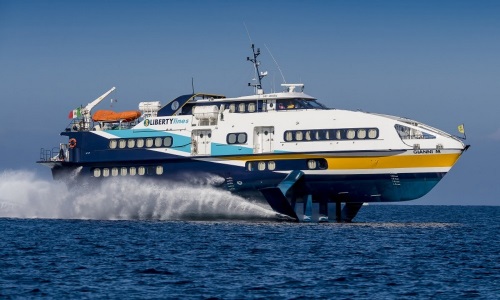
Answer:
(48, 154)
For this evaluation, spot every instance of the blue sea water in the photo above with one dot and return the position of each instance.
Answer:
(211, 245)
(397, 252)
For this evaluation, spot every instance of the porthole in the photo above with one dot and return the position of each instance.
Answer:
(97, 172)
(158, 142)
(338, 135)
(266, 132)
(298, 136)
(232, 107)
(167, 142)
(317, 135)
(114, 172)
(271, 165)
(141, 170)
(201, 135)
(112, 144)
(231, 138)
(149, 142)
(262, 166)
(159, 170)
(361, 133)
(249, 166)
(123, 171)
(122, 143)
(327, 135)
(209, 135)
(311, 164)
(140, 143)
(242, 138)
(105, 172)
(372, 133)
(132, 171)
(131, 143)
(288, 136)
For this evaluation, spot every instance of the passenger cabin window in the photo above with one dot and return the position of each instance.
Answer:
(361, 133)
(298, 135)
(236, 138)
(123, 171)
(158, 142)
(121, 144)
(167, 142)
(241, 107)
(141, 171)
(350, 134)
(251, 107)
(159, 170)
(132, 171)
(140, 143)
(312, 135)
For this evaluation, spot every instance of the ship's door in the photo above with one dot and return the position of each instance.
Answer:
(201, 142)
(263, 139)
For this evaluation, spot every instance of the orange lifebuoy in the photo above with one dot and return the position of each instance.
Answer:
(72, 143)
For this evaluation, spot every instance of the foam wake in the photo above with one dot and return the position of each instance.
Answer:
(24, 195)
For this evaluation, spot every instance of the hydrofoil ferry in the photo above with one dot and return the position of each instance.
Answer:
(284, 147)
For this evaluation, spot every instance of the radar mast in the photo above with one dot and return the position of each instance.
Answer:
(260, 75)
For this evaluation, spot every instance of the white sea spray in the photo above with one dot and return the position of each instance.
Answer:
(24, 195)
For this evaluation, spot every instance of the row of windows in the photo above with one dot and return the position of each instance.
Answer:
(236, 138)
(312, 164)
(140, 143)
(234, 107)
(331, 134)
(261, 165)
(124, 171)
(242, 107)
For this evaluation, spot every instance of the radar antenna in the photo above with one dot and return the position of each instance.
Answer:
(260, 75)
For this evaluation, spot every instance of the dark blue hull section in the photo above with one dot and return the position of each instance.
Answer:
(344, 188)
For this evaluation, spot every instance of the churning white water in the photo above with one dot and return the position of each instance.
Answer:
(24, 195)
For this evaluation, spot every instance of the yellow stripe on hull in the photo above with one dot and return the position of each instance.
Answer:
(365, 161)
(392, 162)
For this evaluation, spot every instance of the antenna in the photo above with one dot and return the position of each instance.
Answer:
(260, 75)
(192, 84)
(256, 63)
(248, 33)
(279, 69)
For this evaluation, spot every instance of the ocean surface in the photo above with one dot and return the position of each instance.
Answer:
(175, 242)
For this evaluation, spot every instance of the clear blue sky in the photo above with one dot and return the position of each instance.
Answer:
(434, 61)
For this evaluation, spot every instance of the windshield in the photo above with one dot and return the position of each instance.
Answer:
(299, 104)
(316, 104)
